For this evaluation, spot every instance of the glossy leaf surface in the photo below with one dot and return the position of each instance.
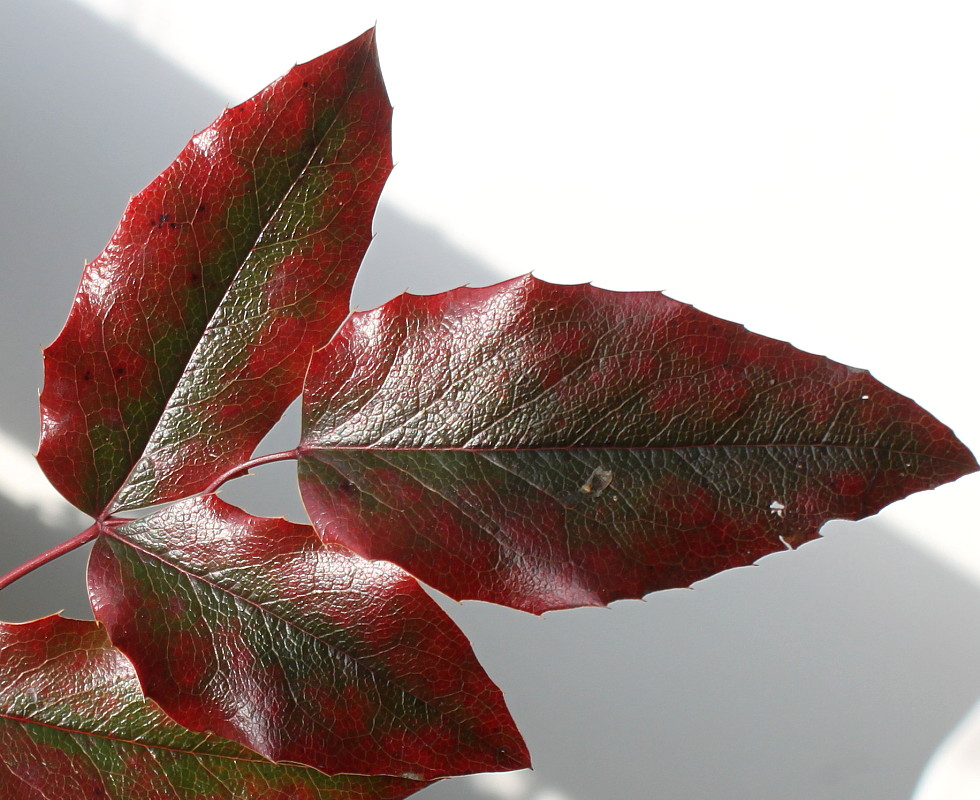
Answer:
(74, 724)
(192, 330)
(301, 651)
(546, 446)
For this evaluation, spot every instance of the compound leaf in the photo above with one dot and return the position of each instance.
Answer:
(191, 332)
(74, 724)
(546, 446)
(301, 651)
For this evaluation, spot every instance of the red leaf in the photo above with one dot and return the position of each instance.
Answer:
(74, 724)
(302, 652)
(192, 330)
(547, 446)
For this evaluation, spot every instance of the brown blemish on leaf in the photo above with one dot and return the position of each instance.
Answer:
(598, 481)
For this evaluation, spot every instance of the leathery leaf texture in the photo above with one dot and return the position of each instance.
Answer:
(545, 446)
(74, 724)
(299, 650)
(190, 333)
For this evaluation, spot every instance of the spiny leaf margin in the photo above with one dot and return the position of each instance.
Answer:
(545, 446)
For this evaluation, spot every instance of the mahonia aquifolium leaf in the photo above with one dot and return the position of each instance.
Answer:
(190, 333)
(546, 446)
(74, 724)
(302, 651)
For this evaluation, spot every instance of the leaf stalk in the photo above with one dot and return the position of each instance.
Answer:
(57, 551)
(245, 466)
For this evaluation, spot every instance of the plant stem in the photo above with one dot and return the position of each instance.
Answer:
(93, 531)
(75, 542)
(244, 467)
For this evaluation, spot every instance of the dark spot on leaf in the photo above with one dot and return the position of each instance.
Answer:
(120, 370)
(193, 277)
(201, 207)
(87, 375)
(347, 487)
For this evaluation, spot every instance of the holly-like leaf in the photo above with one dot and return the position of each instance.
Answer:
(301, 651)
(546, 446)
(192, 330)
(74, 724)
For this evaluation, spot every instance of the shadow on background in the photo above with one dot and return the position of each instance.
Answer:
(831, 672)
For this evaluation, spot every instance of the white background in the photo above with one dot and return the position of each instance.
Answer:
(811, 170)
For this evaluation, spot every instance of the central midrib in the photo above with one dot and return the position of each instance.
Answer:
(111, 505)
(136, 742)
(307, 449)
(289, 623)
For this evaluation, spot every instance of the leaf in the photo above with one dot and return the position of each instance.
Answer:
(190, 333)
(73, 724)
(546, 446)
(300, 651)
